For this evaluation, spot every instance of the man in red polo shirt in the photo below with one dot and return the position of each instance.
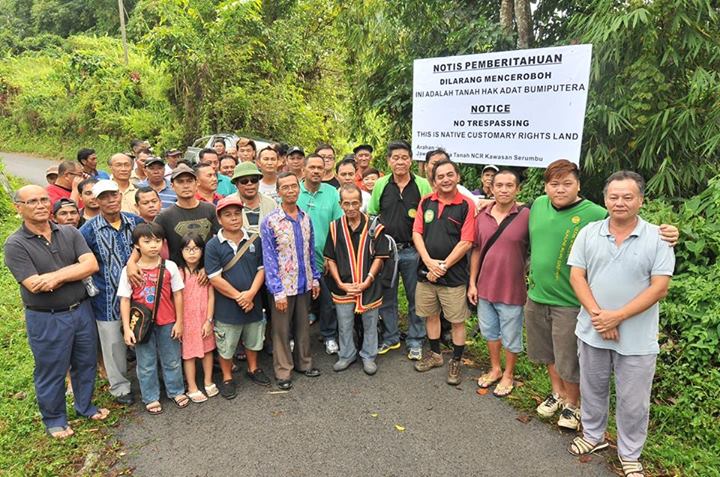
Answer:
(65, 186)
(443, 233)
(497, 278)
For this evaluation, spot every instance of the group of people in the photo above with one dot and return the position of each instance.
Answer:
(244, 250)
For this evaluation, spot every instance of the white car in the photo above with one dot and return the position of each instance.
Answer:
(230, 139)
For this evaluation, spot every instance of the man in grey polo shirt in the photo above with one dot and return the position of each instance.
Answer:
(620, 270)
(50, 261)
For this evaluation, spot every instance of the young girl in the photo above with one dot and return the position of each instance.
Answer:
(199, 306)
(164, 337)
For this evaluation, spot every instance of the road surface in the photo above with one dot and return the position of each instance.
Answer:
(27, 166)
(347, 424)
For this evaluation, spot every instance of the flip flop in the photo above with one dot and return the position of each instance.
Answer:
(59, 432)
(485, 381)
(181, 401)
(503, 391)
(154, 408)
(100, 415)
(211, 390)
(197, 397)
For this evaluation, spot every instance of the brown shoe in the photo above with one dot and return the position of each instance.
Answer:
(429, 361)
(454, 372)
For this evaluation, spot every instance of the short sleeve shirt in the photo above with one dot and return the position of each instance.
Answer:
(28, 254)
(502, 273)
(218, 252)
(617, 275)
(176, 222)
(146, 293)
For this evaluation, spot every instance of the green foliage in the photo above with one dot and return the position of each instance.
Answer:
(654, 100)
(83, 93)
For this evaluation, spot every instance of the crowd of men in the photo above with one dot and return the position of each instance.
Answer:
(334, 238)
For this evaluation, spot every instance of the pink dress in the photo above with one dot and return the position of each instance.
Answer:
(195, 307)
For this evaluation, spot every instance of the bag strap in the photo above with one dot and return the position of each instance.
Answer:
(158, 290)
(239, 253)
(503, 225)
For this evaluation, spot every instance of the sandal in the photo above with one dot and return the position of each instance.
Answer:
(59, 432)
(197, 397)
(100, 415)
(211, 390)
(485, 381)
(631, 467)
(154, 408)
(579, 446)
(181, 401)
(503, 391)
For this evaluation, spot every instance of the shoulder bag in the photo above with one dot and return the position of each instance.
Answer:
(142, 319)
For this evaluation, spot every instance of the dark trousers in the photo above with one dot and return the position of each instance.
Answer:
(60, 341)
(296, 316)
(324, 308)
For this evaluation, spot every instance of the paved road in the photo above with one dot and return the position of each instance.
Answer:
(27, 166)
(325, 427)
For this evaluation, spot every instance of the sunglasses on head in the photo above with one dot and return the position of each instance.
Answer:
(249, 180)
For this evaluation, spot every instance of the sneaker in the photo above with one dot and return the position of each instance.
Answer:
(454, 376)
(384, 348)
(569, 418)
(258, 377)
(342, 364)
(415, 354)
(228, 390)
(549, 406)
(331, 346)
(369, 367)
(430, 361)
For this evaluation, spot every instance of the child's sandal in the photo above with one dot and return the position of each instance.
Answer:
(197, 397)
(154, 408)
(211, 390)
(181, 401)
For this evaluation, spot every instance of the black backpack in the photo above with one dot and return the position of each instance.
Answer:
(390, 268)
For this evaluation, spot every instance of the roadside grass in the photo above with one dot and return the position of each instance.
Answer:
(25, 448)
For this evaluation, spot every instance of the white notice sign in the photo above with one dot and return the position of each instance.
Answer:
(522, 108)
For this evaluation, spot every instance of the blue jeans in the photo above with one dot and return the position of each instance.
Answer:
(62, 341)
(500, 321)
(346, 326)
(407, 269)
(159, 344)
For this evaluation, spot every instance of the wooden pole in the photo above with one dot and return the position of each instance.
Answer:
(121, 10)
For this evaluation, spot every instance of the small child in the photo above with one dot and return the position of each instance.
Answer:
(370, 175)
(198, 309)
(164, 337)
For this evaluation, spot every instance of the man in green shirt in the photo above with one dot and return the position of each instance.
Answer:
(552, 307)
(322, 203)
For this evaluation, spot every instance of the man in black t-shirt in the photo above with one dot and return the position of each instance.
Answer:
(188, 214)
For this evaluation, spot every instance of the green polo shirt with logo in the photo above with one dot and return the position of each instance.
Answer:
(552, 233)
(323, 207)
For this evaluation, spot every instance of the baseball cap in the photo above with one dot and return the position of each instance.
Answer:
(172, 152)
(51, 170)
(366, 147)
(245, 169)
(490, 166)
(296, 150)
(62, 203)
(180, 170)
(104, 185)
(227, 202)
(154, 160)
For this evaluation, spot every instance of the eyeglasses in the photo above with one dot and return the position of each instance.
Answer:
(354, 204)
(249, 180)
(34, 202)
(328, 158)
(192, 249)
